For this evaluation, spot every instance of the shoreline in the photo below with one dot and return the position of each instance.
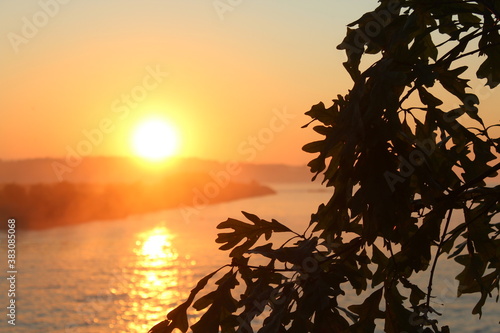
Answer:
(45, 206)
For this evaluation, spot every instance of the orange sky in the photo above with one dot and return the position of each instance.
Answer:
(235, 84)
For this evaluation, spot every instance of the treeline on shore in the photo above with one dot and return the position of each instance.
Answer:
(40, 206)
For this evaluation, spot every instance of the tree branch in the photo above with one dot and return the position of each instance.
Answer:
(438, 253)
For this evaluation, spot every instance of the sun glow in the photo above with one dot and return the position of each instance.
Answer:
(155, 139)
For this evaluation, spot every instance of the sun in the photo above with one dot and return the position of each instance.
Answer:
(155, 139)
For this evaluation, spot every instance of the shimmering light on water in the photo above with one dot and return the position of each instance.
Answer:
(157, 278)
(155, 244)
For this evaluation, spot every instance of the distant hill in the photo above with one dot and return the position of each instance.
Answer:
(122, 169)
(47, 205)
(43, 193)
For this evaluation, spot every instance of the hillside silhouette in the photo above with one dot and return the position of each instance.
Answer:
(103, 188)
(46, 205)
(107, 169)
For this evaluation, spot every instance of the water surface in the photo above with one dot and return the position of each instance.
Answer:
(124, 275)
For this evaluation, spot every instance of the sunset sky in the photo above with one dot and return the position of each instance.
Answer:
(94, 70)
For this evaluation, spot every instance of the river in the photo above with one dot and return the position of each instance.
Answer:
(124, 275)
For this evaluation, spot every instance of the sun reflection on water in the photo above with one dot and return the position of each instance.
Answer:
(157, 279)
(155, 247)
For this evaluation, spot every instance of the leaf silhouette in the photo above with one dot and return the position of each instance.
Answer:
(222, 305)
(177, 318)
(161, 327)
(250, 232)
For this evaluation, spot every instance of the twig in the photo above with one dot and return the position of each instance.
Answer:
(438, 253)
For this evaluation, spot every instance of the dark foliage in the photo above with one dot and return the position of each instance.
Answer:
(400, 164)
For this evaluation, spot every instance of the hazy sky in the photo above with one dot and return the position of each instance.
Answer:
(234, 82)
